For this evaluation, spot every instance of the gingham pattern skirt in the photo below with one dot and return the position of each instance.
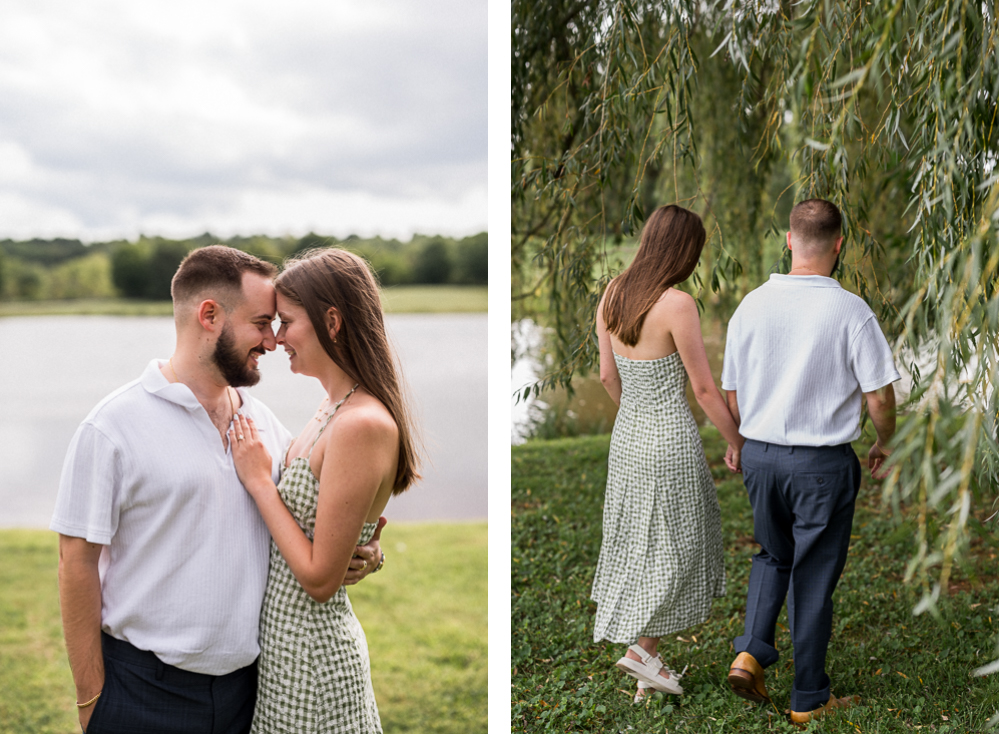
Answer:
(661, 561)
(313, 666)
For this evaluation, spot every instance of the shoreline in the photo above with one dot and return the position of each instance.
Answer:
(396, 299)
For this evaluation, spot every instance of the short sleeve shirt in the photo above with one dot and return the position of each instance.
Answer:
(800, 351)
(185, 561)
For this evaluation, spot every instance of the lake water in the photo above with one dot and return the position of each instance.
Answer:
(54, 369)
(590, 405)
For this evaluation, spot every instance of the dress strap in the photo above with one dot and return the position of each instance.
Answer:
(329, 417)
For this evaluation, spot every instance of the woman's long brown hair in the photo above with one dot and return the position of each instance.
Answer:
(320, 279)
(669, 249)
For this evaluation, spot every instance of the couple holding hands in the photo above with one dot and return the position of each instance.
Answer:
(801, 356)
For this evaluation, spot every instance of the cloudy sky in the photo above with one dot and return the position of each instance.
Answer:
(120, 117)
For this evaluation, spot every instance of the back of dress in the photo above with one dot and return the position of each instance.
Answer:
(661, 558)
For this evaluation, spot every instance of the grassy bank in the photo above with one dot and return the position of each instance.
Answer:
(424, 616)
(396, 299)
(434, 299)
(911, 672)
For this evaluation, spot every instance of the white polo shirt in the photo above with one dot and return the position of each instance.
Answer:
(184, 566)
(800, 351)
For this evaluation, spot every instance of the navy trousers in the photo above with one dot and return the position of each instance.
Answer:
(803, 508)
(143, 695)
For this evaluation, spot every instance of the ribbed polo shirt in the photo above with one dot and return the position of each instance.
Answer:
(800, 351)
(184, 566)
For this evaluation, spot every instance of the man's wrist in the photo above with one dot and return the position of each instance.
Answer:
(90, 701)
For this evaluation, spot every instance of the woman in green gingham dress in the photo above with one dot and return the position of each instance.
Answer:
(311, 653)
(661, 560)
(314, 672)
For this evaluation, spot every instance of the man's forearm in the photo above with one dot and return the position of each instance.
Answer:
(80, 600)
(882, 409)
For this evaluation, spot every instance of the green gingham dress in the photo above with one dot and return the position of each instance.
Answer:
(661, 557)
(314, 674)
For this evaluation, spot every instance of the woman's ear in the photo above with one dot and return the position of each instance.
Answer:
(333, 322)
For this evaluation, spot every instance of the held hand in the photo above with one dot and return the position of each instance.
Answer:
(252, 460)
(876, 460)
(366, 557)
(733, 460)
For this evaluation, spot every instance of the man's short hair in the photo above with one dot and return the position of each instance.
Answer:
(218, 270)
(815, 221)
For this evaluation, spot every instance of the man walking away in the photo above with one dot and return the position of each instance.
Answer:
(801, 355)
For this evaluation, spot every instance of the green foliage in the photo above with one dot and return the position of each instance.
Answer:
(165, 257)
(25, 281)
(44, 252)
(888, 109)
(311, 241)
(910, 671)
(66, 269)
(83, 277)
(432, 264)
(429, 600)
(129, 271)
(473, 260)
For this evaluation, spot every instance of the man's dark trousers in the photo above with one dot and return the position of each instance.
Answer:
(803, 507)
(143, 695)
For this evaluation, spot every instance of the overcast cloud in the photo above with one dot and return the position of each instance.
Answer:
(240, 117)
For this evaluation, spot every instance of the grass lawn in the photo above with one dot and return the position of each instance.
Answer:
(913, 673)
(87, 307)
(434, 299)
(395, 299)
(424, 616)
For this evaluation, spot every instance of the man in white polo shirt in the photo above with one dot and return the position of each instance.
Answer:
(801, 355)
(163, 556)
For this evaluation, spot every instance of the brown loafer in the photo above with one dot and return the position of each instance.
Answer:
(802, 717)
(746, 678)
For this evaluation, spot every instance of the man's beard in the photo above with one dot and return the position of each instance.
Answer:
(231, 364)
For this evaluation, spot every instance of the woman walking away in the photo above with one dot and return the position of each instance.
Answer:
(661, 557)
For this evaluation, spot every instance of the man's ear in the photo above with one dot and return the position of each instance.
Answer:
(333, 322)
(788, 239)
(836, 247)
(211, 315)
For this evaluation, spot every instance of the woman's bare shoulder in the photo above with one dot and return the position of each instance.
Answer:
(364, 430)
(674, 301)
(367, 417)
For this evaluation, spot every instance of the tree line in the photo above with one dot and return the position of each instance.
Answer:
(59, 269)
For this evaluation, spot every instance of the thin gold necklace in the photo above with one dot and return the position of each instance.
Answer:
(333, 408)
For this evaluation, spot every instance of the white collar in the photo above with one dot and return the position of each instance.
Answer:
(809, 281)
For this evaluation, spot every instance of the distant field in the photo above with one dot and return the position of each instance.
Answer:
(86, 307)
(396, 299)
(424, 616)
(434, 298)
